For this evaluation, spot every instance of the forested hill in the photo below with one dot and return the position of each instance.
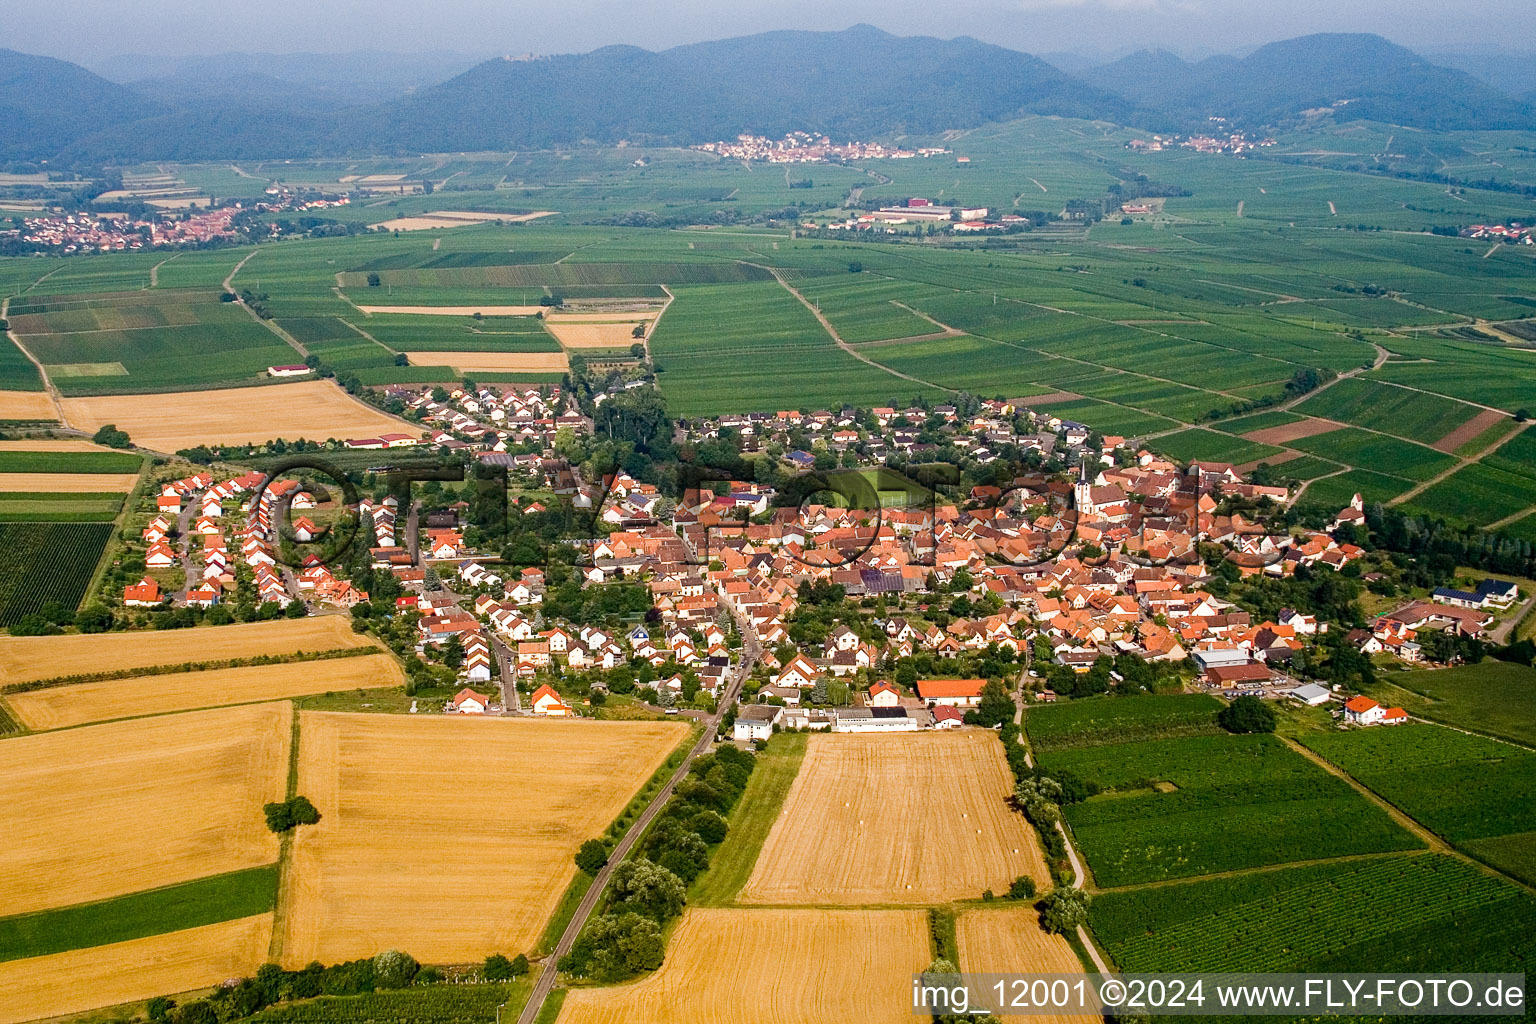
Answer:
(861, 82)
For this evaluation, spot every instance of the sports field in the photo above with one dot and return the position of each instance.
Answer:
(119, 808)
(77, 704)
(83, 979)
(896, 819)
(779, 966)
(315, 410)
(27, 658)
(450, 837)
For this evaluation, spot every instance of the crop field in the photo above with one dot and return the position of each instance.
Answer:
(136, 969)
(103, 811)
(619, 335)
(27, 405)
(1207, 445)
(14, 485)
(1010, 941)
(59, 506)
(1517, 455)
(40, 461)
(1205, 804)
(31, 658)
(355, 885)
(495, 362)
(935, 807)
(1381, 453)
(1335, 491)
(735, 966)
(1494, 697)
(1410, 414)
(42, 562)
(1478, 494)
(57, 707)
(1464, 788)
(1092, 723)
(1383, 914)
(315, 410)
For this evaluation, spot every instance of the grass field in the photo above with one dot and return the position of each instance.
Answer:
(1095, 722)
(1201, 805)
(136, 969)
(30, 658)
(169, 909)
(104, 811)
(81, 703)
(751, 820)
(1475, 792)
(400, 794)
(42, 562)
(933, 806)
(69, 462)
(315, 410)
(1385, 914)
(731, 966)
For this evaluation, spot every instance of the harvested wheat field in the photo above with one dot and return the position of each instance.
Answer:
(450, 837)
(493, 362)
(457, 219)
(457, 310)
(84, 979)
(27, 658)
(911, 818)
(112, 809)
(614, 317)
(314, 409)
(67, 483)
(82, 703)
(595, 335)
(1010, 941)
(27, 405)
(778, 966)
(1291, 431)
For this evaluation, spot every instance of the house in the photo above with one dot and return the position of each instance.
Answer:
(799, 672)
(144, 594)
(947, 718)
(955, 693)
(160, 556)
(202, 597)
(468, 702)
(1364, 711)
(756, 722)
(545, 701)
(883, 695)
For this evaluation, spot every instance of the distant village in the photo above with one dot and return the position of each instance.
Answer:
(808, 148)
(1236, 143)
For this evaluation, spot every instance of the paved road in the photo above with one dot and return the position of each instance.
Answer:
(549, 975)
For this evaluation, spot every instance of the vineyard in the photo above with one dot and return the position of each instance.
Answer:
(44, 562)
(1388, 914)
(431, 1004)
(1091, 723)
(1204, 804)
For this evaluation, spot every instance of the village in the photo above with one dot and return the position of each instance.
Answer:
(1102, 561)
(807, 148)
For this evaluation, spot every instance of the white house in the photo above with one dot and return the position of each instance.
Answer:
(468, 702)
(756, 722)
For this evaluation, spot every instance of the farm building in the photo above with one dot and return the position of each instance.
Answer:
(955, 693)
(874, 720)
(1311, 694)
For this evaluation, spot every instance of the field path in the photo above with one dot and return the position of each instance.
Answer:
(1332, 209)
(53, 392)
(549, 974)
(947, 330)
(1240, 203)
(1037, 182)
(229, 282)
(154, 271)
(838, 338)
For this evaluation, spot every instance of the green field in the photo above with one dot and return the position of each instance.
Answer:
(69, 462)
(68, 507)
(1200, 805)
(1386, 914)
(43, 562)
(1393, 410)
(1097, 721)
(173, 908)
(1209, 446)
(750, 822)
(1465, 788)
(1494, 697)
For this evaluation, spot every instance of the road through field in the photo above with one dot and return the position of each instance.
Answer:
(751, 651)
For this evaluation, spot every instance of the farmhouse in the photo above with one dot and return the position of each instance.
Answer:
(955, 693)
(1364, 711)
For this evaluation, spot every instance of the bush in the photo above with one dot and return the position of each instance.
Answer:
(1247, 714)
(648, 889)
(394, 969)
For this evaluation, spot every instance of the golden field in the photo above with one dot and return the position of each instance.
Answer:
(25, 658)
(67, 483)
(313, 409)
(112, 809)
(778, 966)
(1009, 941)
(81, 703)
(493, 362)
(450, 837)
(595, 335)
(909, 818)
(27, 405)
(456, 310)
(457, 219)
(83, 979)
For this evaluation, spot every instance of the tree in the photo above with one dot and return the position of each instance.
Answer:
(394, 969)
(373, 280)
(159, 1007)
(592, 856)
(497, 968)
(648, 889)
(519, 966)
(111, 437)
(996, 706)
(1247, 714)
(1064, 910)
(302, 811)
(1022, 888)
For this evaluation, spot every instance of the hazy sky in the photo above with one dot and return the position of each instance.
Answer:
(87, 30)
